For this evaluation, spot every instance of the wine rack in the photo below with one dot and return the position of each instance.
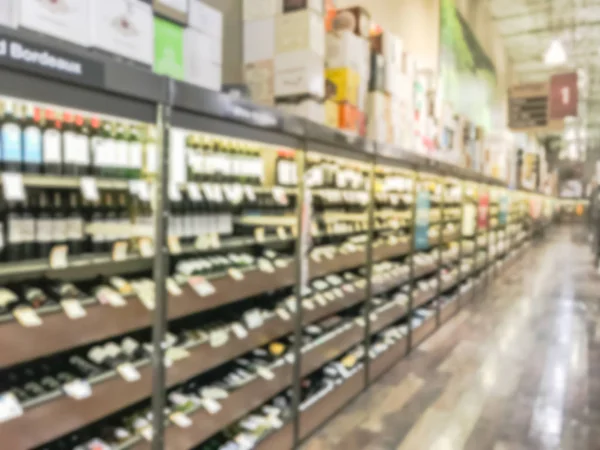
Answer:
(300, 264)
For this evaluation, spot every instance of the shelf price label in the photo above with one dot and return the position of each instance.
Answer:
(119, 251)
(174, 245)
(202, 286)
(89, 189)
(259, 234)
(128, 372)
(73, 308)
(211, 405)
(59, 257)
(180, 419)
(146, 247)
(78, 389)
(282, 233)
(265, 373)
(13, 187)
(27, 316)
(236, 274)
(10, 408)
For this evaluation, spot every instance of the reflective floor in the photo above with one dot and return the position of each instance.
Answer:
(518, 369)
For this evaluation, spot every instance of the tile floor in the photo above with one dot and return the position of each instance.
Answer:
(519, 368)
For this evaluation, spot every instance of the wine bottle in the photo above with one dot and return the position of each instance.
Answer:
(135, 157)
(28, 230)
(8, 300)
(34, 296)
(32, 140)
(121, 155)
(43, 226)
(11, 138)
(83, 155)
(71, 144)
(52, 143)
(74, 222)
(59, 219)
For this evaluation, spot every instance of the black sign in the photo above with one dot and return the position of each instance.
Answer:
(528, 112)
(21, 54)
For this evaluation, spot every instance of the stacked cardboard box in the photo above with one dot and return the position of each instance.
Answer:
(347, 60)
(284, 46)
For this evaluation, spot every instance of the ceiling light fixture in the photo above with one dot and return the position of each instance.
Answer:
(556, 54)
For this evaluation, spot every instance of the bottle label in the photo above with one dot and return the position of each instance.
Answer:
(59, 229)
(11, 142)
(44, 230)
(151, 158)
(83, 151)
(75, 228)
(71, 143)
(33, 145)
(135, 155)
(28, 230)
(52, 146)
(99, 150)
(121, 154)
(14, 230)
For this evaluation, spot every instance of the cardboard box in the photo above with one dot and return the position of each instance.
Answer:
(389, 46)
(9, 13)
(332, 116)
(298, 73)
(348, 117)
(377, 116)
(389, 80)
(175, 10)
(200, 46)
(259, 40)
(346, 83)
(123, 27)
(296, 5)
(67, 19)
(206, 19)
(261, 9)
(260, 79)
(341, 50)
(362, 20)
(168, 49)
(301, 30)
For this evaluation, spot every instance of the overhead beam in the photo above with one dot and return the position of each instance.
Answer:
(548, 29)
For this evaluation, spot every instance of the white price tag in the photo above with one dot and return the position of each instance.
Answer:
(253, 318)
(265, 373)
(73, 308)
(329, 296)
(109, 297)
(78, 389)
(119, 251)
(174, 193)
(250, 194)
(147, 433)
(215, 240)
(173, 288)
(218, 338)
(236, 274)
(282, 233)
(320, 299)
(275, 422)
(27, 316)
(338, 293)
(202, 287)
(59, 256)
(308, 304)
(239, 330)
(211, 405)
(259, 234)
(140, 189)
(194, 192)
(279, 195)
(360, 321)
(10, 408)
(174, 245)
(13, 188)
(264, 265)
(128, 372)
(282, 312)
(180, 419)
(146, 247)
(89, 189)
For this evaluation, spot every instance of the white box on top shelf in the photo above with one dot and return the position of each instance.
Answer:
(202, 64)
(123, 27)
(8, 13)
(64, 19)
(259, 40)
(298, 73)
(300, 30)
(259, 77)
(261, 9)
(206, 19)
(342, 50)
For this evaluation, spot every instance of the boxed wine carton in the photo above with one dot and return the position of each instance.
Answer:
(123, 27)
(206, 19)
(300, 30)
(299, 73)
(332, 116)
(202, 59)
(358, 18)
(261, 9)
(64, 19)
(346, 82)
(260, 78)
(259, 40)
(348, 117)
(343, 50)
(8, 13)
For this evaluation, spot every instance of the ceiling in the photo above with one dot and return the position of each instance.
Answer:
(528, 27)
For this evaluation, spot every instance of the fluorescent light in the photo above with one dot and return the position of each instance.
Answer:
(556, 54)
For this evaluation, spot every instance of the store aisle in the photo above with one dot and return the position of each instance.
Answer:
(519, 369)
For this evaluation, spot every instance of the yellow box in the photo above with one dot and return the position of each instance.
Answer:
(331, 113)
(346, 82)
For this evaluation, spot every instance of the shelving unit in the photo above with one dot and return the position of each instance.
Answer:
(383, 308)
